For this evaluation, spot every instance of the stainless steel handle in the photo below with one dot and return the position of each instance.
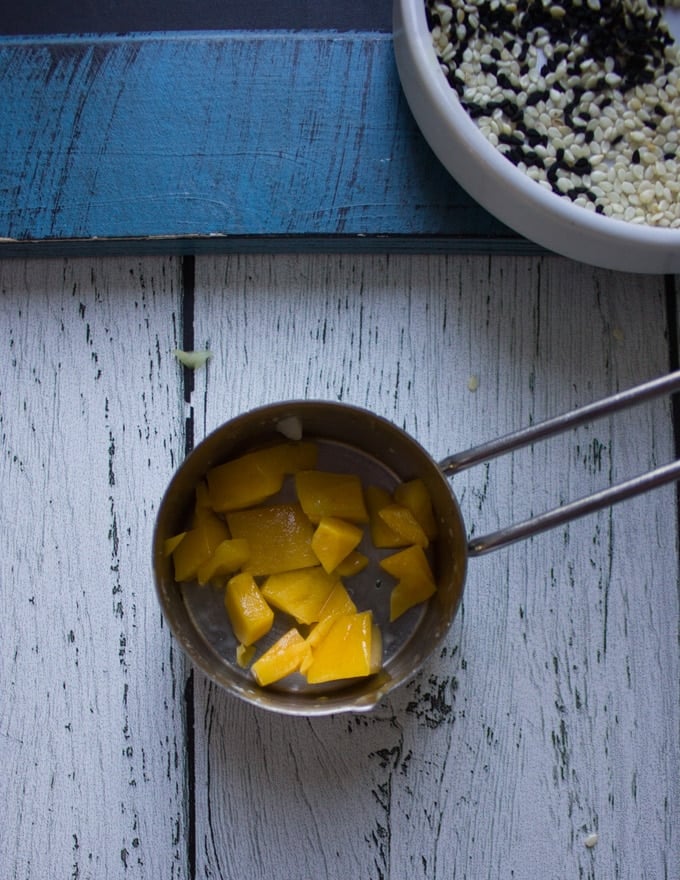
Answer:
(557, 425)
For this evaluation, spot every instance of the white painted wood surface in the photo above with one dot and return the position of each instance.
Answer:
(91, 719)
(553, 711)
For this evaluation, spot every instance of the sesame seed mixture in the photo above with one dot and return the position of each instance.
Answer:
(581, 95)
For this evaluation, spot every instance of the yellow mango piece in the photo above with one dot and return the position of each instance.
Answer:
(338, 602)
(403, 522)
(170, 543)
(382, 535)
(322, 493)
(414, 495)
(244, 654)
(249, 615)
(352, 564)
(415, 579)
(289, 458)
(212, 525)
(333, 540)
(241, 483)
(409, 593)
(256, 476)
(197, 546)
(282, 659)
(279, 537)
(408, 564)
(228, 557)
(301, 593)
(345, 651)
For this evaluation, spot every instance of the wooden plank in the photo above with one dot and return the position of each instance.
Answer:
(553, 710)
(221, 141)
(92, 709)
(48, 17)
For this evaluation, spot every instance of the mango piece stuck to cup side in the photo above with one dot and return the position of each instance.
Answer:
(414, 495)
(256, 476)
(415, 581)
(382, 535)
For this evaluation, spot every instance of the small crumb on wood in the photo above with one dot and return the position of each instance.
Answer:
(473, 383)
(590, 840)
(617, 333)
(192, 359)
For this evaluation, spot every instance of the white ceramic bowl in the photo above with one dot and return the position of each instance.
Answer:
(504, 190)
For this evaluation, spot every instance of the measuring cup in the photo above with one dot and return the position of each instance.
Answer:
(355, 440)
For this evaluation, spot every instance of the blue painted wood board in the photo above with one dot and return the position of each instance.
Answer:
(193, 142)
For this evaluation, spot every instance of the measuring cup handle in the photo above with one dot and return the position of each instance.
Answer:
(573, 510)
(605, 498)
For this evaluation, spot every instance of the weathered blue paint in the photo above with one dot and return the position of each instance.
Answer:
(204, 140)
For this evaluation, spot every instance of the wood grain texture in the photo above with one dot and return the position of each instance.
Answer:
(92, 709)
(220, 141)
(553, 709)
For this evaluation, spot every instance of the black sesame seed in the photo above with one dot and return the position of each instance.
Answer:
(512, 140)
(582, 166)
(475, 111)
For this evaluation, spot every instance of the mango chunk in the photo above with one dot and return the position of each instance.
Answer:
(279, 537)
(415, 581)
(282, 659)
(228, 557)
(414, 495)
(250, 616)
(408, 564)
(244, 654)
(382, 535)
(213, 526)
(256, 476)
(345, 651)
(289, 458)
(170, 543)
(323, 493)
(338, 602)
(403, 522)
(301, 593)
(333, 540)
(197, 546)
(406, 594)
(352, 564)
